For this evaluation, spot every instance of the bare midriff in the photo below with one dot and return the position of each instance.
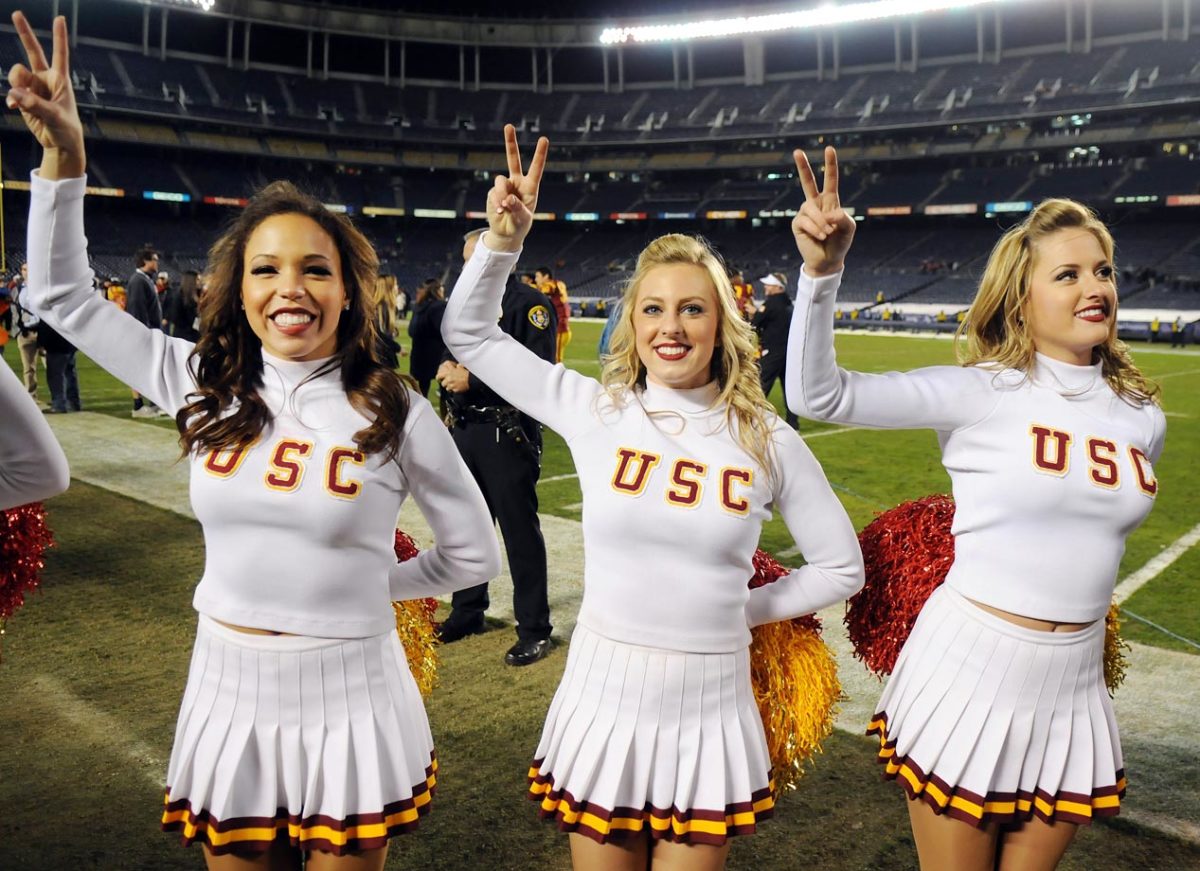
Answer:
(250, 630)
(1032, 622)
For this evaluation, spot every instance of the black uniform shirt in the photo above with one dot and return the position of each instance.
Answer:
(773, 322)
(527, 315)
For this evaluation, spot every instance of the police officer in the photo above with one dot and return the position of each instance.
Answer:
(502, 448)
(772, 322)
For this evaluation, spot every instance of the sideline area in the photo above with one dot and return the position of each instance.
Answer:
(1155, 706)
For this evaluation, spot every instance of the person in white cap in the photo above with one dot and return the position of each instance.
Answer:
(772, 323)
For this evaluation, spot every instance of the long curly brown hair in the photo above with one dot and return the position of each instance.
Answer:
(226, 411)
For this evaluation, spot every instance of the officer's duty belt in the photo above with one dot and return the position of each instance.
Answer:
(498, 414)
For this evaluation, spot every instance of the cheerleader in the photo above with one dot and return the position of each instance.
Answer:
(653, 752)
(996, 720)
(301, 729)
(32, 465)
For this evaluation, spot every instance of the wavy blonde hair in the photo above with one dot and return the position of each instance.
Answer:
(384, 297)
(995, 330)
(733, 365)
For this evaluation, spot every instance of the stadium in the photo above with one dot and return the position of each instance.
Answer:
(950, 125)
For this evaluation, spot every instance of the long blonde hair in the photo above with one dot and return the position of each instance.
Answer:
(733, 364)
(995, 330)
(385, 293)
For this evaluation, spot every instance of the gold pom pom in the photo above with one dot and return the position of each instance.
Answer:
(796, 687)
(414, 623)
(1115, 646)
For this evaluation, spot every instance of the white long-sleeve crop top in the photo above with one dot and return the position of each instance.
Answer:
(32, 465)
(672, 503)
(298, 527)
(1050, 469)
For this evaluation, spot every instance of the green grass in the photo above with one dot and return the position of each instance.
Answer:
(95, 665)
(872, 471)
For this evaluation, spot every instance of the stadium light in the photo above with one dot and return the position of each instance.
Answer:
(808, 19)
(202, 5)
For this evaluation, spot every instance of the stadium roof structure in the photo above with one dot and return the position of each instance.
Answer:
(553, 9)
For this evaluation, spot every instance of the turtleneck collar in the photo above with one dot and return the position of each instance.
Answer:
(696, 400)
(1066, 379)
(292, 372)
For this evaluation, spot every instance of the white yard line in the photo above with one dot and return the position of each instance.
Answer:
(1157, 564)
(98, 728)
(1177, 374)
(826, 432)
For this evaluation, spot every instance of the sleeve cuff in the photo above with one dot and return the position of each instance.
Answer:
(815, 287)
(491, 255)
(63, 190)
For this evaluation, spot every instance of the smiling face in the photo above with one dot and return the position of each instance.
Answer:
(1072, 302)
(292, 287)
(676, 319)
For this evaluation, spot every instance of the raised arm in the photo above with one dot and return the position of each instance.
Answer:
(465, 552)
(824, 534)
(60, 281)
(938, 397)
(32, 465)
(557, 396)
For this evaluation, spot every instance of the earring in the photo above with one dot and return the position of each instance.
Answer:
(346, 306)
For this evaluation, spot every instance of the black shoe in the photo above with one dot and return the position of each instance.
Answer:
(455, 630)
(528, 652)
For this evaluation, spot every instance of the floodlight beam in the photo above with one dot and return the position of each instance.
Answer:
(808, 19)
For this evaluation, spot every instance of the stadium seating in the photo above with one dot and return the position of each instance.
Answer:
(947, 132)
(116, 78)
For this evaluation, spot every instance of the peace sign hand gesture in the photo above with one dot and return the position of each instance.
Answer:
(822, 228)
(512, 199)
(43, 93)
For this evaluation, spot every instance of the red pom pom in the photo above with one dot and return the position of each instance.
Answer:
(406, 549)
(767, 570)
(907, 551)
(24, 537)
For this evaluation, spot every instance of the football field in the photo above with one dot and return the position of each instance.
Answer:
(94, 664)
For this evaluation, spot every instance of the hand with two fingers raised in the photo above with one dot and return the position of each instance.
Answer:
(822, 228)
(43, 93)
(513, 198)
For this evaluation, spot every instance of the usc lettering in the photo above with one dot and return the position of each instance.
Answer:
(687, 476)
(1143, 471)
(285, 472)
(685, 485)
(334, 482)
(1102, 465)
(1051, 456)
(225, 463)
(1051, 449)
(287, 460)
(729, 501)
(633, 471)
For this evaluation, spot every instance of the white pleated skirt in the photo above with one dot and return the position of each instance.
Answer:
(640, 739)
(321, 742)
(988, 721)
